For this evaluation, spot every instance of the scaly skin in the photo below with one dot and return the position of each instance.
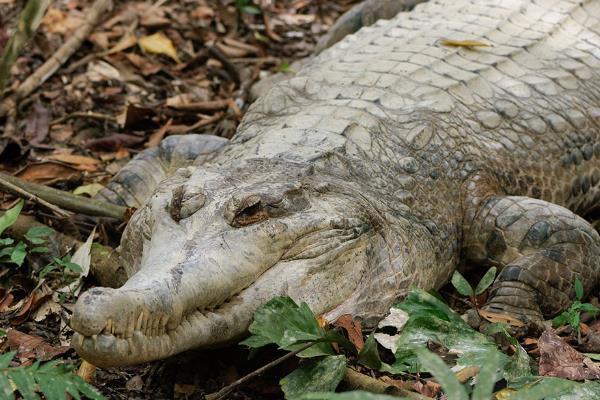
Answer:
(388, 161)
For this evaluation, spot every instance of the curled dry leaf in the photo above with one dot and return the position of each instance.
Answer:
(353, 329)
(48, 172)
(32, 347)
(559, 359)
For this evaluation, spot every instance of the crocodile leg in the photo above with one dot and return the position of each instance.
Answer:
(540, 247)
(138, 179)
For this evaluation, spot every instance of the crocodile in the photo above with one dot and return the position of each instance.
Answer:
(463, 134)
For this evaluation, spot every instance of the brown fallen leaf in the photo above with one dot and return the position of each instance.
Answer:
(113, 142)
(145, 66)
(353, 330)
(429, 388)
(73, 159)
(32, 347)
(48, 172)
(469, 44)
(560, 360)
(6, 301)
(503, 318)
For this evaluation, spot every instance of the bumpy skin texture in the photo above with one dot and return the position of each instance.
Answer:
(388, 161)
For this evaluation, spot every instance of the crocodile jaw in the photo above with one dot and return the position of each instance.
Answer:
(141, 335)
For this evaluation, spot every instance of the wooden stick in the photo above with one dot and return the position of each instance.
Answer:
(24, 193)
(46, 70)
(62, 199)
(221, 394)
(356, 380)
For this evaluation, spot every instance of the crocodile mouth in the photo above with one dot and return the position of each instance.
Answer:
(152, 337)
(144, 322)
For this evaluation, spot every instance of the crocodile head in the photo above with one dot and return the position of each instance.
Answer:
(215, 243)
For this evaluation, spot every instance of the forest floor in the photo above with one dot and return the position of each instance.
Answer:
(147, 70)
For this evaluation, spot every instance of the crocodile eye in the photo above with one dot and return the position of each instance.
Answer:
(243, 211)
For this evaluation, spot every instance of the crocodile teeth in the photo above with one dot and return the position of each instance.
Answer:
(140, 320)
(108, 328)
(95, 339)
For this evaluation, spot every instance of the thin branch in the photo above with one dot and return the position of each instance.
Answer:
(84, 114)
(62, 199)
(46, 70)
(24, 193)
(221, 394)
(356, 380)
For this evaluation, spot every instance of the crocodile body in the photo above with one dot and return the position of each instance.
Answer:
(390, 160)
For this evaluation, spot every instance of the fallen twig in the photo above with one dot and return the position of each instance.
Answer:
(46, 70)
(62, 199)
(356, 380)
(181, 129)
(84, 114)
(221, 394)
(19, 191)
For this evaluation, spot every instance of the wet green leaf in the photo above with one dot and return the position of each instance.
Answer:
(37, 234)
(283, 322)
(462, 286)
(369, 355)
(432, 320)
(19, 253)
(486, 281)
(10, 216)
(319, 375)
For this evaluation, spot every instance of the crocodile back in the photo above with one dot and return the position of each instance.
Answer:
(525, 109)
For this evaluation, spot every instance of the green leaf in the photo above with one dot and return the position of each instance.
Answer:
(47, 269)
(578, 289)
(319, 375)
(486, 281)
(590, 308)
(542, 389)
(36, 234)
(560, 320)
(356, 395)
(444, 375)
(25, 382)
(487, 378)
(592, 356)
(432, 320)
(6, 358)
(39, 249)
(6, 241)
(460, 283)
(19, 253)
(6, 392)
(250, 10)
(2, 332)
(10, 216)
(283, 322)
(369, 355)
